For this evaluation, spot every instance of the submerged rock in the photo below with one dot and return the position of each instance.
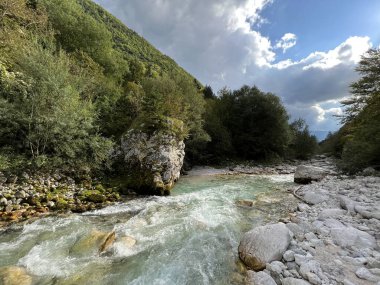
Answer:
(95, 242)
(14, 275)
(306, 174)
(153, 162)
(127, 241)
(245, 203)
(263, 245)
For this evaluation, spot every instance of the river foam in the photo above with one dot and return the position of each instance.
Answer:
(187, 238)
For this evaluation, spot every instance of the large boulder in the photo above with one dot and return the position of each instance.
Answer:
(153, 161)
(263, 245)
(306, 174)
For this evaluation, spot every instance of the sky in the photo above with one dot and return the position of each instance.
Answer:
(304, 51)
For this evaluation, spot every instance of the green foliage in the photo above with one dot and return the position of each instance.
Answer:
(136, 72)
(363, 90)
(42, 112)
(77, 30)
(73, 79)
(303, 145)
(134, 47)
(362, 147)
(244, 124)
(258, 123)
(208, 93)
(358, 141)
(166, 98)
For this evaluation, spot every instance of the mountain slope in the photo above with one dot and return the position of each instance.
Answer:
(133, 45)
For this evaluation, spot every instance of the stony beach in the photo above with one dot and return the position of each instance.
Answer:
(26, 196)
(333, 237)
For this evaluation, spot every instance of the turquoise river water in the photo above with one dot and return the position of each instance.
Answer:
(190, 237)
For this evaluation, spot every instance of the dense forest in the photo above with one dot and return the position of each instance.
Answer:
(74, 79)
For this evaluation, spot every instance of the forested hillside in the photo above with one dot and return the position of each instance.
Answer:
(74, 80)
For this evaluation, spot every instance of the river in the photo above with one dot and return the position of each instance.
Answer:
(190, 237)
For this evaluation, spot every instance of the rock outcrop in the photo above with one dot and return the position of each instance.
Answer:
(152, 161)
(263, 245)
(306, 174)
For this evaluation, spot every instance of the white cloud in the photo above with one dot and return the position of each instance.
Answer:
(208, 38)
(287, 41)
(217, 42)
(348, 52)
(323, 112)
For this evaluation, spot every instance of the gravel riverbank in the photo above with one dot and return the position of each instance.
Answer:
(25, 197)
(334, 235)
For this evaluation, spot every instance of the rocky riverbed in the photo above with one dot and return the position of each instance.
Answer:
(26, 196)
(332, 238)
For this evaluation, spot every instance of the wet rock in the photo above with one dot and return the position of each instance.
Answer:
(95, 242)
(259, 278)
(108, 242)
(245, 203)
(14, 275)
(127, 241)
(263, 245)
(306, 174)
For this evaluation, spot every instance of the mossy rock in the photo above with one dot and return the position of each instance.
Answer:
(61, 204)
(100, 188)
(94, 196)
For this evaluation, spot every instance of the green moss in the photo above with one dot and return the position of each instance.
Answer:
(100, 188)
(61, 204)
(94, 196)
